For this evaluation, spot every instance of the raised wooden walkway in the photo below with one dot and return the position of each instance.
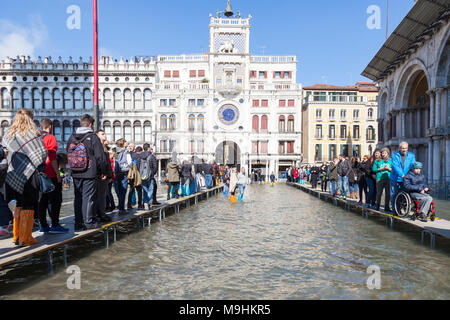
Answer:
(439, 227)
(10, 253)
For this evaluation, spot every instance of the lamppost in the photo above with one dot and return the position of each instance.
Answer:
(96, 108)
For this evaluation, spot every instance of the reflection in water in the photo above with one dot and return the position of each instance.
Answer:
(279, 244)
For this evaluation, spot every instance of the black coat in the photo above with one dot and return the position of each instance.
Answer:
(414, 182)
(99, 162)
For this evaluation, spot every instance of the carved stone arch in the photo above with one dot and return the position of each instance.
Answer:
(408, 75)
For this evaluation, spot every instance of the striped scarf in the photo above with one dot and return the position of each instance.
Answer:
(23, 163)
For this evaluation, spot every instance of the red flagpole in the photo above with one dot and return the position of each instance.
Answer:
(96, 108)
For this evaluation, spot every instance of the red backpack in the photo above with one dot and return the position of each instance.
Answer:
(77, 156)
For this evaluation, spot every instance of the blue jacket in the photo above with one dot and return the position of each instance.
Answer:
(397, 170)
(414, 182)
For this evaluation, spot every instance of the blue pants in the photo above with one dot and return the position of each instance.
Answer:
(241, 192)
(343, 185)
(192, 187)
(208, 181)
(394, 188)
(147, 187)
(371, 195)
(353, 187)
(225, 189)
(333, 189)
(121, 186)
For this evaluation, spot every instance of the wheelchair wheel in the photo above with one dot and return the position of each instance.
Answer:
(402, 204)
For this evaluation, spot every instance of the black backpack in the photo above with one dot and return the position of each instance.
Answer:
(144, 169)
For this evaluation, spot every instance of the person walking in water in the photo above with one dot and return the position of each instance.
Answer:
(233, 184)
(272, 179)
(242, 184)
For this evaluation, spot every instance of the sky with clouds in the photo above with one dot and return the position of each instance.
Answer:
(330, 38)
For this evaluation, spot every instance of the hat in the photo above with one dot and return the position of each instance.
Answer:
(386, 149)
(417, 165)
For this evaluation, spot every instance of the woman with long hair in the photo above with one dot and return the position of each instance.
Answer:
(26, 154)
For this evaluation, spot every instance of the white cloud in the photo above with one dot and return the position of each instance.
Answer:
(105, 52)
(20, 40)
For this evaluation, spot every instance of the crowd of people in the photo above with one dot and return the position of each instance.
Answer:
(366, 180)
(33, 175)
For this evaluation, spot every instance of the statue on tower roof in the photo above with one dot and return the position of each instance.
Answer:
(228, 11)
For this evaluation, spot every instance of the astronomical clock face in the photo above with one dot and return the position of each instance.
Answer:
(228, 114)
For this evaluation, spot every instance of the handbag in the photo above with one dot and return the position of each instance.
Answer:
(45, 183)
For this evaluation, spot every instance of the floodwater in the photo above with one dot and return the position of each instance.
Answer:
(280, 243)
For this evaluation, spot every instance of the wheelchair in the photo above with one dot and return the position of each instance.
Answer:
(405, 204)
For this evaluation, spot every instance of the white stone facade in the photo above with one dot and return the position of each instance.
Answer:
(190, 104)
(415, 106)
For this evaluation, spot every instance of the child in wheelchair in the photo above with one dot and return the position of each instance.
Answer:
(416, 185)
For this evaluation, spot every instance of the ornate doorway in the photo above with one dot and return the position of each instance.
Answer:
(228, 153)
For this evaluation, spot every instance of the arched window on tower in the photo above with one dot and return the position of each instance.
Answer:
(107, 129)
(27, 99)
(67, 130)
(290, 124)
(201, 122)
(4, 128)
(57, 130)
(37, 103)
(172, 122)
(191, 122)
(76, 125)
(147, 131)
(78, 99)
(137, 131)
(255, 123)
(108, 99)
(47, 99)
(117, 99)
(147, 99)
(16, 99)
(57, 99)
(127, 131)
(5, 98)
(128, 99)
(370, 114)
(264, 123)
(137, 99)
(163, 123)
(117, 130)
(281, 124)
(67, 97)
(88, 104)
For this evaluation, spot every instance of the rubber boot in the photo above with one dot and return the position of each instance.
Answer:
(232, 199)
(26, 228)
(16, 225)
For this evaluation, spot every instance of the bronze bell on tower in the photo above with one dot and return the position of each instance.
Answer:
(228, 11)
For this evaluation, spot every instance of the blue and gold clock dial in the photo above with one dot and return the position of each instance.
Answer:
(228, 114)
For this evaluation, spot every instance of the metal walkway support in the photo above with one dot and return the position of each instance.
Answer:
(50, 261)
(106, 233)
(432, 238)
(390, 222)
(65, 255)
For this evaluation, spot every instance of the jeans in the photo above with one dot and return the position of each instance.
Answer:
(139, 195)
(353, 187)
(394, 188)
(371, 197)
(185, 186)
(51, 201)
(343, 185)
(121, 185)
(173, 189)
(225, 189)
(333, 187)
(85, 199)
(323, 185)
(208, 181)
(241, 191)
(147, 190)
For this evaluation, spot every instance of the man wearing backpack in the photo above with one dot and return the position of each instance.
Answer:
(88, 163)
(148, 167)
(121, 169)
